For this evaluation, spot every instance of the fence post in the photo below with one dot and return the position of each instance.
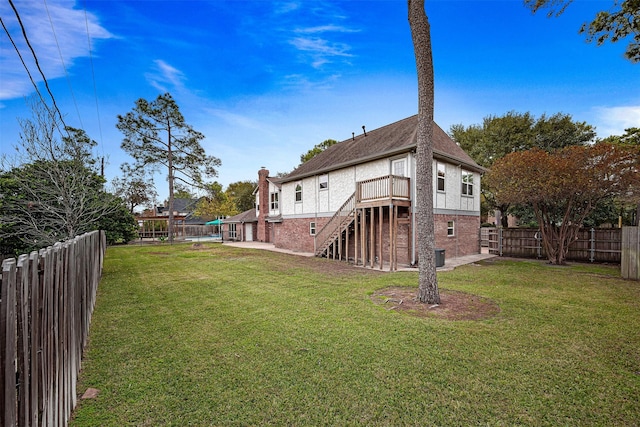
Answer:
(8, 339)
(538, 238)
(630, 262)
(592, 245)
(500, 241)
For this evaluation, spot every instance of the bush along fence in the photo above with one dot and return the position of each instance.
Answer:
(592, 245)
(46, 302)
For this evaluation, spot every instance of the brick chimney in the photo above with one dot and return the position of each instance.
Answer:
(263, 205)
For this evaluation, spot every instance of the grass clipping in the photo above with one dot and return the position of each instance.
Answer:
(454, 305)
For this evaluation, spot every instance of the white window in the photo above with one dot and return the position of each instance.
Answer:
(232, 232)
(398, 167)
(312, 228)
(298, 192)
(441, 174)
(467, 183)
(274, 201)
(451, 231)
(324, 182)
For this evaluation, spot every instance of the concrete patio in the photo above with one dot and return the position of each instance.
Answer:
(449, 264)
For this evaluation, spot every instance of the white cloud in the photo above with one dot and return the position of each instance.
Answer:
(166, 77)
(320, 50)
(286, 7)
(326, 28)
(614, 120)
(238, 120)
(57, 34)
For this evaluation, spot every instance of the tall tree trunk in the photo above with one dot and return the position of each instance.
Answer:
(421, 36)
(170, 165)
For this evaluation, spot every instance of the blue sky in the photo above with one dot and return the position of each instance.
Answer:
(267, 80)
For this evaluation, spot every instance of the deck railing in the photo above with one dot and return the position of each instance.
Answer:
(386, 187)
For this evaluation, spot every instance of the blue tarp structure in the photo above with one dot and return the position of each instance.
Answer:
(214, 222)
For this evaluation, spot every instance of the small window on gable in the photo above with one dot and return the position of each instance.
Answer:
(441, 175)
(324, 182)
(274, 201)
(298, 192)
(451, 228)
(467, 183)
(312, 228)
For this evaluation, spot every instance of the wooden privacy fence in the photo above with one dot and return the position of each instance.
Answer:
(630, 265)
(46, 302)
(593, 245)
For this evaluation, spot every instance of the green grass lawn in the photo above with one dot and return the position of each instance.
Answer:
(218, 335)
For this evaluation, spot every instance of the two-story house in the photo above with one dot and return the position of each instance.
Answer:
(354, 200)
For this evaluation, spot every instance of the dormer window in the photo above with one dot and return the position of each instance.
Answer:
(298, 193)
(324, 182)
(467, 183)
(441, 175)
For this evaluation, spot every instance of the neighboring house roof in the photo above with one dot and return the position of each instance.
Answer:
(181, 206)
(389, 140)
(246, 216)
(184, 207)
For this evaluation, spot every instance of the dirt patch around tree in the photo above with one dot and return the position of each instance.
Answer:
(454, 305)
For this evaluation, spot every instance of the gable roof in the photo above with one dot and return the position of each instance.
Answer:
(389, 140)
(246, 216)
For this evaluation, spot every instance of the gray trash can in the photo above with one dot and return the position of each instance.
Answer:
(439, 257)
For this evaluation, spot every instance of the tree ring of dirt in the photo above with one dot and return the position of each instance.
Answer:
(454, 305)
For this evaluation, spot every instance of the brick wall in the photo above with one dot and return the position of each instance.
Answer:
(466, 238)
(293, 234)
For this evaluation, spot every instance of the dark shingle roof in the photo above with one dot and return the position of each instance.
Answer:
(388, 140)
(246, 216)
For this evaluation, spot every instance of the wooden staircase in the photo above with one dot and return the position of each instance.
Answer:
(332, 231)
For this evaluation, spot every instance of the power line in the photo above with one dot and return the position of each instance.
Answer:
(55, 37)
(35, 57)
(93, 75)
(23, 63)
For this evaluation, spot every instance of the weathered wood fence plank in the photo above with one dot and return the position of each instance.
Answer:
(630, 264)
(591, 245)
(8, 400)
(46, 302)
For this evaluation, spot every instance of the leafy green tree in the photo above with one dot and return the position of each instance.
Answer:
(52, 191)
(631, 136)
(181, 191)
(499, 136)
(241, 192)
(10, 195)
(134, 187)
(156, 135)
(496, 137)
(317, 149)
(619, 22)
(565, 186)
(216, 203)
(120, 226)
(421, 36)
